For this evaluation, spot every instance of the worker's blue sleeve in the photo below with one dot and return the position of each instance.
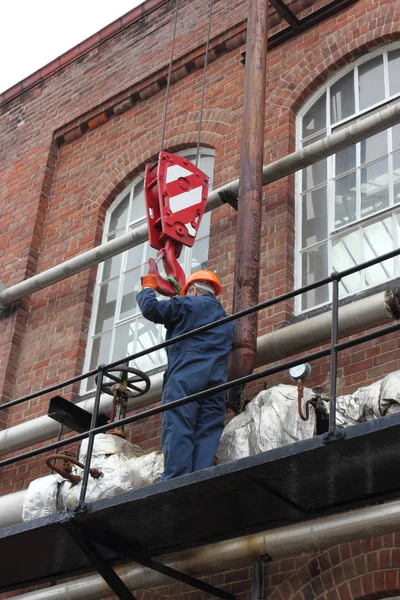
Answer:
(157, 311)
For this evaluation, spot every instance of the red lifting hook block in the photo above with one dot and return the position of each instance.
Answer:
(176, 195)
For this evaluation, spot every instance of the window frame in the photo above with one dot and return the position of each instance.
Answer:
(120, 277)
(301, 142)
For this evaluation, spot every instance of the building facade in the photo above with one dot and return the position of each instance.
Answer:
(75, 139)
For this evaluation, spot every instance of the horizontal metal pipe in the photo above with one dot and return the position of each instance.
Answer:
(284, 166)
(277, 543)
(11, 508)
(356, 132)
(354, 317)
(74, 265)
(357, 316)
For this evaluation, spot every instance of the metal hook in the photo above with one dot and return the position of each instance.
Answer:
(175, 280)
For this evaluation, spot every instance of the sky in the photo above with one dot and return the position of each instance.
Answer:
(35, 32)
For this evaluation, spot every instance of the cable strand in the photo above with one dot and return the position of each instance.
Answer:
(169, 77)
(204, 85)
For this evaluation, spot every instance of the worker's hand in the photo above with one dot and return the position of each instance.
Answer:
(149, 281)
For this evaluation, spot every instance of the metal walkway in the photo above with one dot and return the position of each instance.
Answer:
(301, 481)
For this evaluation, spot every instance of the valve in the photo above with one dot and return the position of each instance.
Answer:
(124, 387)
(66, 469)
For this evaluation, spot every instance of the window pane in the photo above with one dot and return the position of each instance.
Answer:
(314, 267)
(378, 239)
(147, 337)
(314, 175)
(371, 83)
(107, 304)
(131, 288)
(135, 257)
(100, 350)
(116, 234)
(112, 267)
(374, 147)
(200, 255)
(342, 98)
(124, 344)
(150, 252)
(347, 254)
(374, 188)
(207, 165)
(119, 214)
(100, 355)
(138, 208)
(396, 177)
(345, 160)
(128, 342)
(315, 217)
(345, 200)
(396, 137)
(394, 72)
(204, 228)
(315, 118)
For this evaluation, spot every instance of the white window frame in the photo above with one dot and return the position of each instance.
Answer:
(187, 255)
(333, 233)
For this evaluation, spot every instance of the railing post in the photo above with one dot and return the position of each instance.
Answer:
(333, 433)
(85, 477)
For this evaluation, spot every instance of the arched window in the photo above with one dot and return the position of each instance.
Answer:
(117, 328)
(348, 206)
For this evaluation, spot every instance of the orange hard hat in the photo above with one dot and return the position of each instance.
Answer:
(206, 276)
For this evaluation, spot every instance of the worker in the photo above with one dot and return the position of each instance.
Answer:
(191, 433)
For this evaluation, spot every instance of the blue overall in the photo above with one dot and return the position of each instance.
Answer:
(191, 433)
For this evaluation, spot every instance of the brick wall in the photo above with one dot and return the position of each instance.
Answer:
(73, 141)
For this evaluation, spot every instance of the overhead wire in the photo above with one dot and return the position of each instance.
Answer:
(201, 110)
(204, 84)
(169, 76)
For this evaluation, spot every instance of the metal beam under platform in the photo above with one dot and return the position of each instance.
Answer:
(294, 483)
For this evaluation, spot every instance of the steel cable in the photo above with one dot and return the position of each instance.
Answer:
(204, 85)
(169, 76)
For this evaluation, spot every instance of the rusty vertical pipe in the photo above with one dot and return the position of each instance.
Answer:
(248, 228)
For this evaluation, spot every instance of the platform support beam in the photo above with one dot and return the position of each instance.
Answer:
(99, 563)
(120, 545)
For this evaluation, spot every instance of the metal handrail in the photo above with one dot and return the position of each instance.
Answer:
(262, 305)
(221, 388)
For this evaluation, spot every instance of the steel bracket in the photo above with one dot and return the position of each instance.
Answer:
(228, 198)
(99, 562)
(71, 415)
(333, 436)
(140, 556)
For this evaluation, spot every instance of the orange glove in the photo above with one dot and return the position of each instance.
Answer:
(149, 281)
